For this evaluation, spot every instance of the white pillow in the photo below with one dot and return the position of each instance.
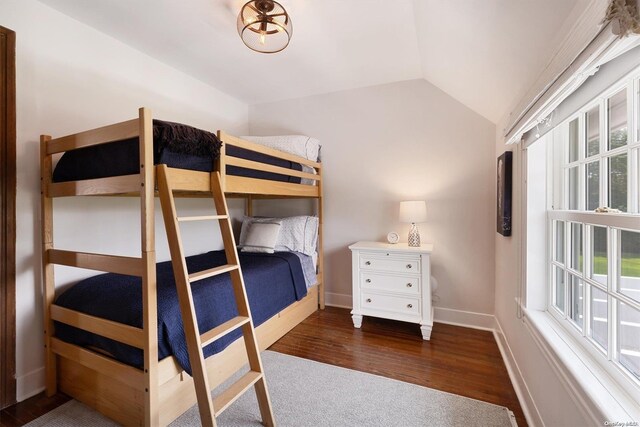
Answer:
(300, 145)
(297, 233)
(261, 237)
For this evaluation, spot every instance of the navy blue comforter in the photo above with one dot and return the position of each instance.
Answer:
(273, 282)
(174, 144)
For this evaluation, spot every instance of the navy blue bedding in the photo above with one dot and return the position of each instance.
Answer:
(262, 158)
(191, 151)
(273, 282)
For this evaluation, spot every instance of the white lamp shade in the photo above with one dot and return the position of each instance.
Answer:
(413, 211)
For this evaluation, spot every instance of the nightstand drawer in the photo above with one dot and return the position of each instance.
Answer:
(383, 282)
(397, 304)
(395, 264)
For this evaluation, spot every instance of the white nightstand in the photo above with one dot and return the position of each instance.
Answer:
(392, 282)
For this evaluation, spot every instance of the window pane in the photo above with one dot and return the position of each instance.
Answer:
(574, 185)
(629, 338)
(618, 182)
(629, 268)
(593, 185)
(559, 255)
(576, 246)
(598, 258)
(576, 294)
(574, 140)
(599, 312)
(618, 120)
(593, 132)
(558, 294)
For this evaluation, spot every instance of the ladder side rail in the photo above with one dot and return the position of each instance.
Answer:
(242, 302)
(185, 298)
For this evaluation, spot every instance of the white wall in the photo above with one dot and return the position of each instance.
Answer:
(401, 141)
(70, 78)
(542, 393)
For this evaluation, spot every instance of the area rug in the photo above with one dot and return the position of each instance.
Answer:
(305, 393)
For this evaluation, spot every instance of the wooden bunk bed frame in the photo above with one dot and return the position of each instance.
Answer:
(161, 391)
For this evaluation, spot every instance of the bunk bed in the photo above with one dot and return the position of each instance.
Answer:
(155, 390)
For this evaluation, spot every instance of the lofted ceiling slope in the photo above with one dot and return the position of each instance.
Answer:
(484, 53)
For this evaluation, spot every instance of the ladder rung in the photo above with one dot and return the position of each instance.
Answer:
(201, 218)
(222, 330)
(212, 272)
(237, 389)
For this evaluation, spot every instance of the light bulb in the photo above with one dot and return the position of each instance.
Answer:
(261, 38)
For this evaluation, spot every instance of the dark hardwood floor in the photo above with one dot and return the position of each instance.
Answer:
(457, 360)
(30, 409)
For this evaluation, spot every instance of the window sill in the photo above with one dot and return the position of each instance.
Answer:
(592, 388)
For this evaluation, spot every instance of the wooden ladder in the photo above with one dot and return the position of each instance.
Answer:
(210, 409)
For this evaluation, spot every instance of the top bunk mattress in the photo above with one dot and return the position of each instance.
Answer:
(176, 145)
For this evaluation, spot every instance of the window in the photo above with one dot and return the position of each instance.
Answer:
(594, 258)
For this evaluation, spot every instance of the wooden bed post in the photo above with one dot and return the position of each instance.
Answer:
(248, 208)
(48, 289)
(320, 244)
(149, 288)
(221, 162)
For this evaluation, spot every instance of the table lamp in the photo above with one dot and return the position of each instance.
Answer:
(412, 212)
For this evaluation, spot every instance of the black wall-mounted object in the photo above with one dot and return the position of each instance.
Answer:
(504, 174)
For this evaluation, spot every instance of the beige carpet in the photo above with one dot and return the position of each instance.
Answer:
(306, 393)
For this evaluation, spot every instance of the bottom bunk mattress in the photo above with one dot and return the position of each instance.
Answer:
(272, 281)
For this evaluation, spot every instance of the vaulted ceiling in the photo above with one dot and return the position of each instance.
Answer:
(484, 53)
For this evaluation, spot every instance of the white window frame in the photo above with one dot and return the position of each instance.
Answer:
(630, 221)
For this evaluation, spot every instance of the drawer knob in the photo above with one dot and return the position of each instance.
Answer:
(368, 299)
(409, 285)
(368, 280)
(409, 305)
(409, 265)
(367, 263)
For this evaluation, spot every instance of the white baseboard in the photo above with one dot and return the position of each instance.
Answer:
(338, 300)
(30, 384)
(468, 319)
(527, 403)
(449, 316)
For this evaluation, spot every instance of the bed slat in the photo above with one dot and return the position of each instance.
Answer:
(95, 187)
(264, 167)
(243, 185)
(109, 367)
(252, 146)
(108, 263)
(103, 135)
(106, 328)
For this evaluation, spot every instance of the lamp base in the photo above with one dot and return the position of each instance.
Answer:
(414, 236)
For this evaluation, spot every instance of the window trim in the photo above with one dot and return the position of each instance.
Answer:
(596, 392)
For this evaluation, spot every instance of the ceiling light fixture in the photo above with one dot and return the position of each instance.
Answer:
(264, 26)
